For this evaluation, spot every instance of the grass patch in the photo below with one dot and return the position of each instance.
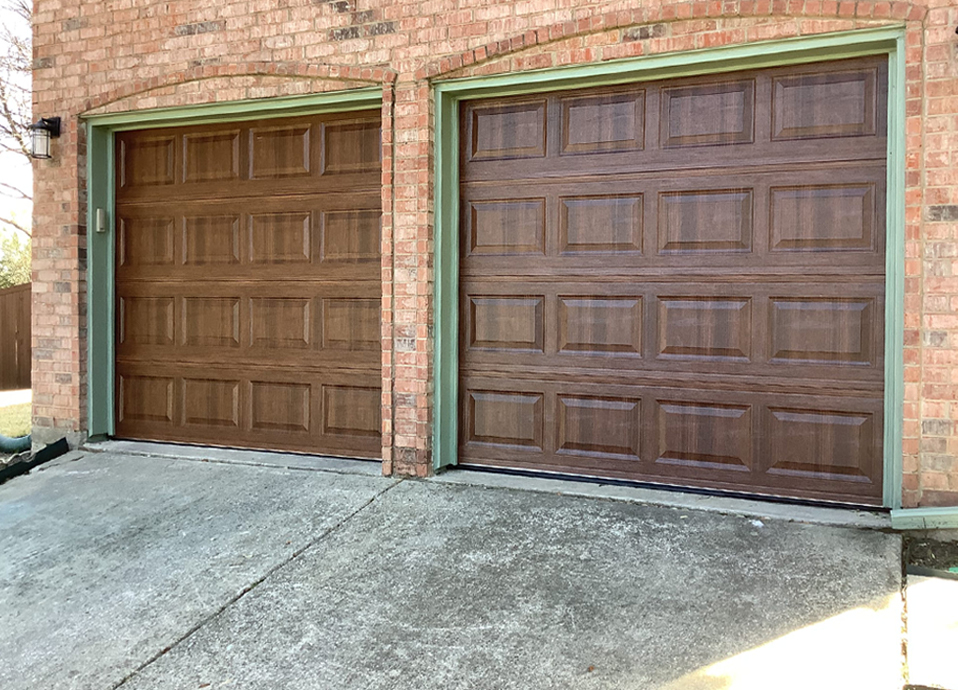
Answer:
(15, 420)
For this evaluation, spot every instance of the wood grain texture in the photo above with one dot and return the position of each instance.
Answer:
(248, 287)
(680, 282)
(15, 337)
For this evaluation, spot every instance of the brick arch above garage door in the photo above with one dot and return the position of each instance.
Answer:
(248, 284)
(680, 282)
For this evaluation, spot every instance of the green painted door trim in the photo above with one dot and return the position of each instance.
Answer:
(101, 195)
(925, 518)
(448, 94)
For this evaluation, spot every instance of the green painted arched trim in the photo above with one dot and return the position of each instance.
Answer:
(101, 317)
(888, 40)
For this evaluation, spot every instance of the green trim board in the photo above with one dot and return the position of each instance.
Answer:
(925, 518)
(448, 94)
(208, 113)
(101, 195)
(895, 278)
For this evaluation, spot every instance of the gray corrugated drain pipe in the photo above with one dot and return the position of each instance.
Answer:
(14, 445)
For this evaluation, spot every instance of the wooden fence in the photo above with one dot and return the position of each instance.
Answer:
(15, 337)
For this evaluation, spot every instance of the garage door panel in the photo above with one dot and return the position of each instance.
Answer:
(697, 220)
(607, 224)
(693, 160)
(281, 151)
(611, 121)
(142, 398)
(321, 411)
(211, 156)
(827, 217)
(265, 158)
(145, 241)
(598, 426)
(502, 132)
(248, 289)
(278, 187)
(781, 115)
(281, 406)
(761, 220)
(705, 329)
(350, 236)
(800, 330)
(275, 239)
(833, 330)
(248, 321)
(606, 325)
(351, 146)
(831, 104)
(813, 446)
(680, 282)
(715, 437)
(707, 114)
(146, 161)
(812, 443)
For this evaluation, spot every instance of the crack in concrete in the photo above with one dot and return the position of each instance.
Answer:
(250, 587)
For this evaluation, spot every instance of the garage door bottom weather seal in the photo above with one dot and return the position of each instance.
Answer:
(699, 491)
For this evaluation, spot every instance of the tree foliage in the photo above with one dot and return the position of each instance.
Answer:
(14, 260)
(16, 61)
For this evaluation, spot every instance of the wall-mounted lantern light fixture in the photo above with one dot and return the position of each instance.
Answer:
(41, 132)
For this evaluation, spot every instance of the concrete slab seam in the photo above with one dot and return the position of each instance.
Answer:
(250, 587)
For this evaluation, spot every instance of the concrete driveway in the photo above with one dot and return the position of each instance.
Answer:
(137, 572)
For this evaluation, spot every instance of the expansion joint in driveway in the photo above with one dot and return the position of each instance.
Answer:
(253, 585)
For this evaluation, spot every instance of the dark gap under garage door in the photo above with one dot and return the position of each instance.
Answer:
(248, 284)
(680, 282)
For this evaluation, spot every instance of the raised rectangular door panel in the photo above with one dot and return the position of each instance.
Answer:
(680, 282)
(600, 325)
(607, 122)
(351, 147)
(281, 323)
(699, 435)
(145, 241)
(823, 218)
(145, 399)
(504, 418)
(829, 104)
(517, 130)
(146, 161)
(710, 328)
(702, 221)
(506, 227)
(709, 113)
(280, 151)
(248, 284)
(506, 322)
(351, 235)
(598, 426)
(146, 321)
(280, 406)
(208, 157)
(607, 224)
(351, 411)
(211, 240)
(351, 324)
(823, 444)
(280, 238)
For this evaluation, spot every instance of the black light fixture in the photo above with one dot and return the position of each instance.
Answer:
(41, 132)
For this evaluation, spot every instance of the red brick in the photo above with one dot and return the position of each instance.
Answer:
(129, 59)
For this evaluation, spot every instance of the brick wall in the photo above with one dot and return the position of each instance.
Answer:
(93, 56)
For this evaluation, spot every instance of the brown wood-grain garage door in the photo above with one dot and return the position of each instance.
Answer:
(680, 282)
(248, 284)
